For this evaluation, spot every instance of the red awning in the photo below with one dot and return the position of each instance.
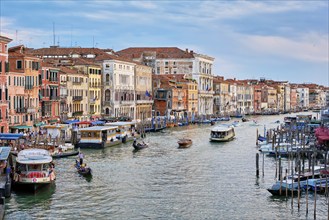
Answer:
(83, 123)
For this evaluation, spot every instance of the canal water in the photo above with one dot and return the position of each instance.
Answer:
(206, 181)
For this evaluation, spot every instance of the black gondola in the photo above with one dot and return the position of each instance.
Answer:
(139, 146)
(83, 169)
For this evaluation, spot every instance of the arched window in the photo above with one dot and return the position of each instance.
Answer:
(107, 95)
(107, 78)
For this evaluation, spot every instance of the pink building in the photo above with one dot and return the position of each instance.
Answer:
(3, 84)
(23, 80)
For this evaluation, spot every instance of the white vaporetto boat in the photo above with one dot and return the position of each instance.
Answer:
(222, 133)
(33, 168)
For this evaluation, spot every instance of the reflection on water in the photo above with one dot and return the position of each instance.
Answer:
(206, 181)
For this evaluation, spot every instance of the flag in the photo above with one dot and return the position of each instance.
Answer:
(147, 93)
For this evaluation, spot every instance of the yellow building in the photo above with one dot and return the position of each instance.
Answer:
(143, 92)
(94, 73)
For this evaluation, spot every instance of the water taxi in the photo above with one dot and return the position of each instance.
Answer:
(184, 143)
(33, 168)
(98, 137)
(222, 133)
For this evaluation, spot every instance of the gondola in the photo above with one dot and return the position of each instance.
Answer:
(83, 170)
(139, 146)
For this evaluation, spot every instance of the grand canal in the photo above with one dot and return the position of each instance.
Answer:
(206, 181)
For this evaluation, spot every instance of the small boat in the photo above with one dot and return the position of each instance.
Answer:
(60, 154)
(212, 123)
(222, 133)
(244, 119)
(261, 138)
(139, 146)
(184, 143)
(281, 188)
(83, 169)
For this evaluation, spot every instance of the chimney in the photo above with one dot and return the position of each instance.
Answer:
(191, 51)
(186, 50)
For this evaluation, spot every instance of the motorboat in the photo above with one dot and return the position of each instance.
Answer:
(33, 168)
(184, 143)
(222, 133)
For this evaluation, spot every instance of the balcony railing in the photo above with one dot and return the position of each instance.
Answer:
(30, 110)
(77, 113)
(20, 110)
(77, 98)
(144, 101)
(76, 83)
(54, 98)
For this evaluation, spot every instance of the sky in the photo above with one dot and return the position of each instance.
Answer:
(280, 40)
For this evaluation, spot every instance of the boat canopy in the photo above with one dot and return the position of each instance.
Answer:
(34, 156)
(222, 128)
(121, 123)
(99, 128)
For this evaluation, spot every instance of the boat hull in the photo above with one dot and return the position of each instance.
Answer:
(65, 154)
(225, 139)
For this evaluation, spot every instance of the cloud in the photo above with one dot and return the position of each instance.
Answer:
(311, 47)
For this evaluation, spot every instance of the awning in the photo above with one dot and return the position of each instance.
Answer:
(71, 121)
(39, 124)
(98, 123)
(20, 127)
(4, 153)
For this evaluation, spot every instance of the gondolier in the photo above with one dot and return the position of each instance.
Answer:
(81, 157)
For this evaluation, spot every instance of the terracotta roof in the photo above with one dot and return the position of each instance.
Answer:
(100, 54)
(159, 52)
(69, 70)
(5, 39)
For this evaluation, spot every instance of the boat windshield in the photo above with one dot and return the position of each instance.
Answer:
(34, 167)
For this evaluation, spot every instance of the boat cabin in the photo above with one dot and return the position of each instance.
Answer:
(98, 137)
(222, 133)
(126, 131)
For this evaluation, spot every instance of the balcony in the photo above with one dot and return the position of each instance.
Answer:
(144, 102)
(127, 102)
(77, 98)
(30, 110)
(3, 102)
(76, 83)
(54, 98)
(20, 110)
(77, 113)
(92, 101)
(108, 103)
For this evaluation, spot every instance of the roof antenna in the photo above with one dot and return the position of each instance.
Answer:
(54, 43)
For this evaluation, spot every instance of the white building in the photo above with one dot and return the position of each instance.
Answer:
(303, 97)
